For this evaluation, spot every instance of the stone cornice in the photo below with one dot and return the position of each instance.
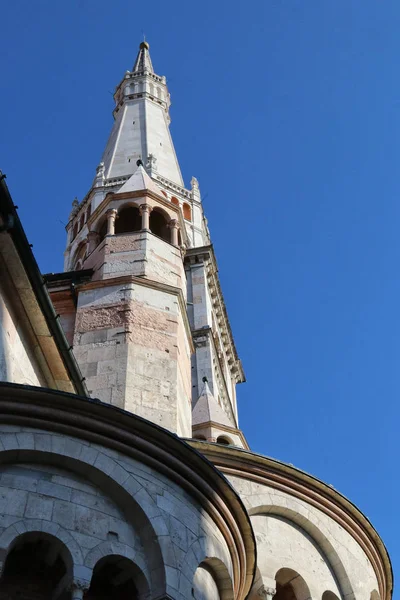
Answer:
(284, 477)
(155, 285)
(134, 436)
(207, 254)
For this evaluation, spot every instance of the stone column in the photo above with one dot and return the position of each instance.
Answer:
(145, 211)
(92, 240)
(78, 589)
(173, 225)
(111, 216)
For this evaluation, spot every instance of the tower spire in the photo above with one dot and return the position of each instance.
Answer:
(143, 60)
(141, 125)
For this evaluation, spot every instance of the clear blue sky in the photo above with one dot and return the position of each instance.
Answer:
(288, 113)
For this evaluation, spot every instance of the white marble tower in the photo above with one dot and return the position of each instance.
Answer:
(150, 329)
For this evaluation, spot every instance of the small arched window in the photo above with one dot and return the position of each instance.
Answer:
(187, 212)
(81, 221)
(175, 201)
(224, 441)
(128, 220)
(159, 225)
(75, 231)
(88, 212)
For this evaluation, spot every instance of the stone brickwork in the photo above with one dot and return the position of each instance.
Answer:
(133, 348)
(139, 514)
(293, 534)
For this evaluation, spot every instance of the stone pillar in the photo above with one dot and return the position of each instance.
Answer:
(145, 211)
(78, 589)
(173, 225)
(111, 216)
(92, 240)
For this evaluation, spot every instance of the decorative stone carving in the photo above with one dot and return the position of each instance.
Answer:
(78, 588)
(151, 164)
(75, 207)
(100, 175)
(265, 592)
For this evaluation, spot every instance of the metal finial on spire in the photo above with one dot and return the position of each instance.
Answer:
(143, 60)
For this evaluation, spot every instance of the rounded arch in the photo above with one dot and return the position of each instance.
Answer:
(212, 581)
(329, 596)
(290, 584)
(75, 230)
(37, 561)
(79, 256)
(45, 529)
(187, 211)
(319, 539)
(81, 221)
(116, 576)
(119, 484)
(128, 219)
(159, 224)
(174, 200)
(88, 211)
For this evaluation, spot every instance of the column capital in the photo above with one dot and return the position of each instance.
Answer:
(111, 214)
(265, 592)
(174, 227)
(78, 588)
(145, 208)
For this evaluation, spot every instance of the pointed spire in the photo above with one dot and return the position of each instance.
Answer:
(140, 181)
(207, 409)
(143, 60)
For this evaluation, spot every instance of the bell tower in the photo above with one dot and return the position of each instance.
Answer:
(139, 298)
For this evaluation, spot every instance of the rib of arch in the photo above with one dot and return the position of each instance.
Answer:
(321, 541)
